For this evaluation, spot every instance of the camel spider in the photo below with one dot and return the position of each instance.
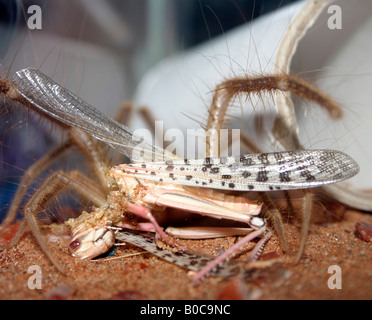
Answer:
(99, 240)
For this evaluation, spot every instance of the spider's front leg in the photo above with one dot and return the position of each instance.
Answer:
(224, 94)
(93, 191)
(50, 188)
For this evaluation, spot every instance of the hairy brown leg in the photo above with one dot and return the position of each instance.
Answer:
(90, 148)
(31, 173)
(150, 121)
(58, 181)
(86, 144)
(306, 215)
(50, 188)
(124, 113)
(256, 85)
(229, 88)
(272, 213)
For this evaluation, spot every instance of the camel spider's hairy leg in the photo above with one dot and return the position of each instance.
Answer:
(58, 182)
(258, 85)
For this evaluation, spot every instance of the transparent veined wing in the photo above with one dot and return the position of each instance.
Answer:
(59, 103)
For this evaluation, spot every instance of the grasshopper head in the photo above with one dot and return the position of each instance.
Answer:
(91, 243)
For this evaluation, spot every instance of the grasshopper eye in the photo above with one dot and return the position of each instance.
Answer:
(74, 245)
(257, 222)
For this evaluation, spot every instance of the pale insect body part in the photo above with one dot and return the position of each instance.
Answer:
(288, 170)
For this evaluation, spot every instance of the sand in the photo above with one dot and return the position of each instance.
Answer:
(146, 277)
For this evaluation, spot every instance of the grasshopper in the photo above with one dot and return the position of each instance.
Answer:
(143, 186)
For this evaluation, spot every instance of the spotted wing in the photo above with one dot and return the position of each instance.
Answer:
(256, 172)
(185, 259)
